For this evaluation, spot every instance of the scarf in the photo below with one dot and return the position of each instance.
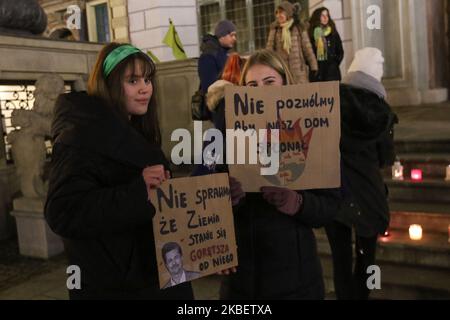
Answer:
(319, 37)
(286, 35)
(361, 80)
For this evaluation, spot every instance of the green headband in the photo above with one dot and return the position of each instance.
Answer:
(116, 56)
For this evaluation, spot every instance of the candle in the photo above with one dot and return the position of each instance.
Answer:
(397, 171)
(415, 232)
(416, 174)
(447, 177)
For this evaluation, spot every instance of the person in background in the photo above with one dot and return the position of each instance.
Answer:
(215, 98)
(215, 101)
(367, 145)
(290, 40)
(214, 53)
(327, 45)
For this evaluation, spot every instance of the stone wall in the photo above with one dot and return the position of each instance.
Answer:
(176, 82)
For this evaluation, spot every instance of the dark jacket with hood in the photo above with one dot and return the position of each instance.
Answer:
(366, 146)
(97, 201)
(278, 253)
(211, 61)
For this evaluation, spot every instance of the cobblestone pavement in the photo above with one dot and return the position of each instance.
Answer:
(24, 278)
(16, 270)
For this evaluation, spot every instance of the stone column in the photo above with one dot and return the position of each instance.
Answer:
(403, 38)
(149, 22)
(120, 21)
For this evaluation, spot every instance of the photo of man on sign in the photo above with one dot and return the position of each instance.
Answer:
(193, 228)
(173, 259)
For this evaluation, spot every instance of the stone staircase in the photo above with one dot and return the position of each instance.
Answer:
(414, 269)
(409, 269)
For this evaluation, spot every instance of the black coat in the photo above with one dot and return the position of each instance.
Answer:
(367, 145)
(277, 253)
(97, 201)
(329, 69)
(211, 61)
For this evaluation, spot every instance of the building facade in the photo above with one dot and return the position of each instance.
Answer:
(413, 34)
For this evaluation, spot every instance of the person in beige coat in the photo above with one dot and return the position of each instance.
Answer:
(291, 42)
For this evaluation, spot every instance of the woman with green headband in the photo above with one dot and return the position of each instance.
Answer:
(106, 157)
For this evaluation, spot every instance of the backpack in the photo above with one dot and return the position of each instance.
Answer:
(199, 109)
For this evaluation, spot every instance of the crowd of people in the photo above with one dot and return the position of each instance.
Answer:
(107, 158)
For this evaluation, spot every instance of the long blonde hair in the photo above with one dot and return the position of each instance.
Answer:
(272, 60)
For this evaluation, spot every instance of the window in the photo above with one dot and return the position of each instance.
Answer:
(98, 18)
(252, 19)
(263, 16)
(235, 10)
(209, 16)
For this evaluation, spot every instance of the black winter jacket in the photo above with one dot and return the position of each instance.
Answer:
(211, 61)
(97, 201)
(277, 253)
(367, 145)
(329, 69)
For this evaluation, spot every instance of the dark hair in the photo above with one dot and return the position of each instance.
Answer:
(169, 246)
(108, 90)
(314, 21)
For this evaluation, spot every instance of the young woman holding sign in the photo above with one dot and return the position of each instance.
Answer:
(106, 158)
(276, 244)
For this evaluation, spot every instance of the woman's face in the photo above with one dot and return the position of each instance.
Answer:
(138, 90)
(324, 19)
(260, 75)
(281, 16)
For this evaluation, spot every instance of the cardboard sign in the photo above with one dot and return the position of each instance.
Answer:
(193, 228)
(308, 119)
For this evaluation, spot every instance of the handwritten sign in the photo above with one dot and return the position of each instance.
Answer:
(193, 228)
(307, 117)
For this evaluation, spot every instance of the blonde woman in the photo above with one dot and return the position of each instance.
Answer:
(276, 245)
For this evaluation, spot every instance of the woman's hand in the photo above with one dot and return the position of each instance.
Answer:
(237, 194)
(285, 200)
(154, 176)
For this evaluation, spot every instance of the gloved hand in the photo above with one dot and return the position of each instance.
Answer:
(285, 200)
(237, 194)
(314, 75)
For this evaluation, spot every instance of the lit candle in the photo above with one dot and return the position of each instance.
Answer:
(447, 177)
(416, 174)
(397, 171)
(415, 232)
